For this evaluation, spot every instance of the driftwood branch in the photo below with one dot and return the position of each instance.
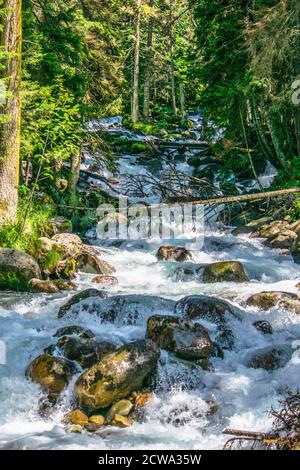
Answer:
(250, 434)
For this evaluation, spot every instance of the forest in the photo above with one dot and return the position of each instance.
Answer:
(160, 102)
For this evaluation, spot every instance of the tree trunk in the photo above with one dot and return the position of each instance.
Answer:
(75, 170)
(11, 40)
(172, 65)
(148, 60)
(182, 102)
(136, 67)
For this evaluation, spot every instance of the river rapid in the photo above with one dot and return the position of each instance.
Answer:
(176, 418)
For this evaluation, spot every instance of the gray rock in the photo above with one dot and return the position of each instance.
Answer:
(186, 339)
(196, 307)
(16, 269)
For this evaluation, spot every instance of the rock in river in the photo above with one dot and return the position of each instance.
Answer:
(77, 298)
(52, 373)
(212, 309)
(267, 300)
(186, 339)
(270, 358)
(84, 350)
(16, 269)
(117, 374)
(176, 253)
(122, 309)
(225, 271)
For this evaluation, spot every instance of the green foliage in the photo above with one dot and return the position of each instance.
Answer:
(295, 212)
(50, 127)
(14, 235)
(49, 261)
(13, 281)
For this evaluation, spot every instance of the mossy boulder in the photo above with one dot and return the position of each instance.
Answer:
(17, 269)
(267, 300)
(212, 309)
(77, 298)
(117, 374)
(70, 244)
(84, 350)
(65, 253)
(270, 358)
(52, 373)
(186, 339)
(225, 271)
(175, 253)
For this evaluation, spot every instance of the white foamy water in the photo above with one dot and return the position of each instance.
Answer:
(177, 417)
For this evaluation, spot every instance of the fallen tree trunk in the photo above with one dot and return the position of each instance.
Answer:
(240, 198)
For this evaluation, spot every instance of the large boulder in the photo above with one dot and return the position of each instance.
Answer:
(121, 309)
(69, 243)
(65, 253)
(270, 358)
(186, 339)
(83, 349)
(77, 298)
(267, 300)
(52, 373)
(197, 307)
(175, 253)
(225, 271)
(16, 269)
(117, 374)
(88, 261)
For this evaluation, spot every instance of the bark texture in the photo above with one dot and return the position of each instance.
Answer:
(11, 40)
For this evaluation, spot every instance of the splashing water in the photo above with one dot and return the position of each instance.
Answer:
(178, 417)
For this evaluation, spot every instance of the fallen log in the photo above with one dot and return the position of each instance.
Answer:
(231, 199)
(251, 434)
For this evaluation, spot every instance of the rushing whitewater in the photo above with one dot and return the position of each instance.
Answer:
(177, 417)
